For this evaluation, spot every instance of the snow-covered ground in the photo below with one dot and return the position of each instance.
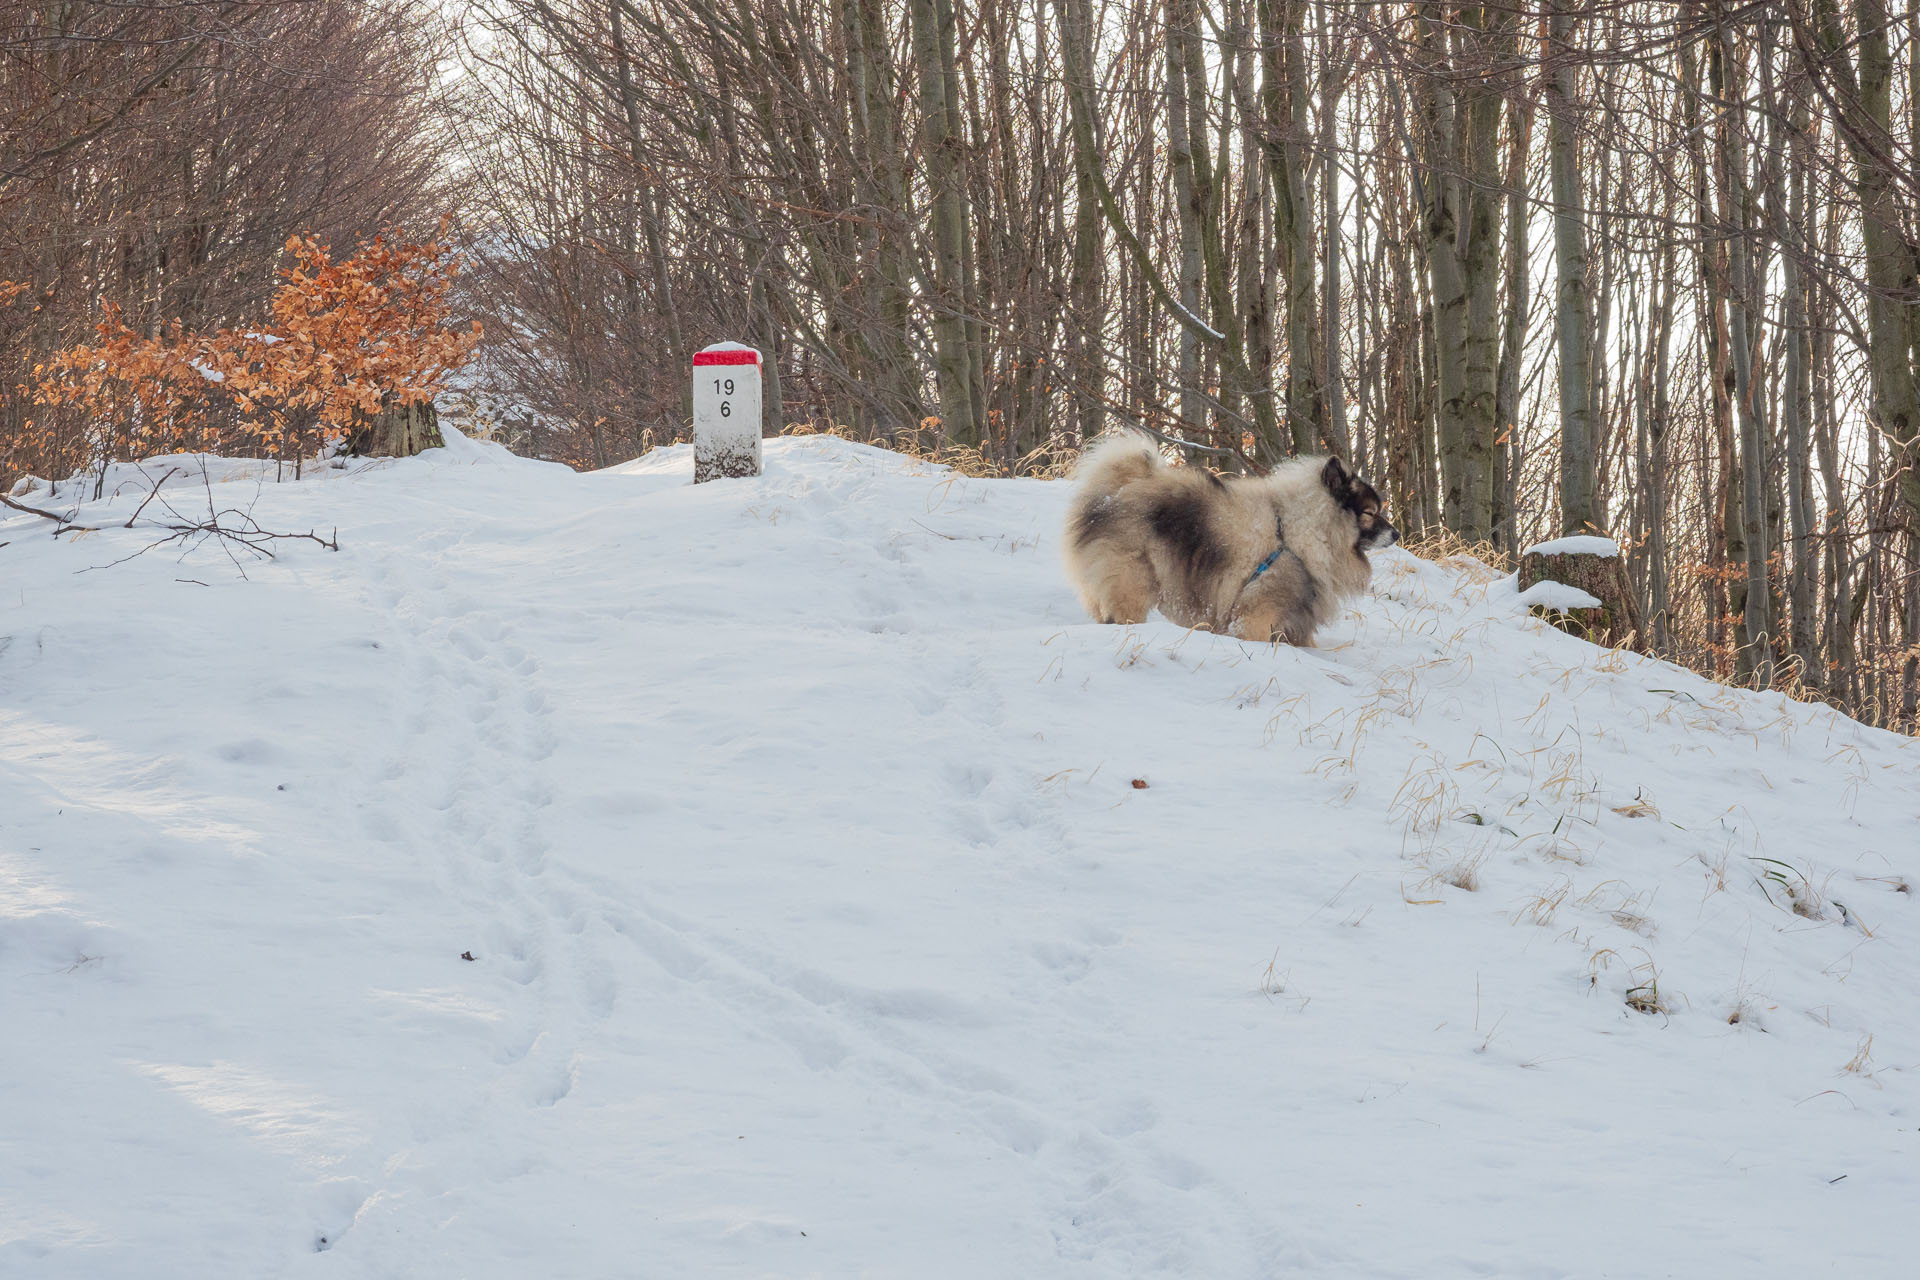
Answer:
(594, 875)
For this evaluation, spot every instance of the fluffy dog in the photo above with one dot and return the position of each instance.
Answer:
(1267, 558)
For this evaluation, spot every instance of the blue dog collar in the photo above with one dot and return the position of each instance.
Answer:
(1265, 565)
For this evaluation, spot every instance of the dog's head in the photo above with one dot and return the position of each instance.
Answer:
(1357, 498)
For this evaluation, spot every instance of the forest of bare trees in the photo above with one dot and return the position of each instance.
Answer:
(1645, 269)
(155, 158)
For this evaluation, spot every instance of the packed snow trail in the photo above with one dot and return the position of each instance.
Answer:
(841, 902)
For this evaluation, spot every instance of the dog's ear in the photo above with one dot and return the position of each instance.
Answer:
(1334, 475)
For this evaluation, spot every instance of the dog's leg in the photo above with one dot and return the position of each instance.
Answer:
(1298, 626)
(1127, 606)
(1125, 593)
(1260, 622)
(1279, 606)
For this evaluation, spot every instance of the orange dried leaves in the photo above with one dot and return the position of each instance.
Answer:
(346, 339)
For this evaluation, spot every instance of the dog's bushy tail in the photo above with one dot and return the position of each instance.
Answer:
(1115, 462)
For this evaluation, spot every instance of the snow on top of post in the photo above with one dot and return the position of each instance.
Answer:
(1557, 595)
(1579, 545)
(727, 353)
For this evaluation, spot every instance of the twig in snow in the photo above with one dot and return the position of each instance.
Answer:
(231, 526)
(149, 498)
(65, 523)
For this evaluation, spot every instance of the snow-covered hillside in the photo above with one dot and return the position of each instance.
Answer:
(598, 876)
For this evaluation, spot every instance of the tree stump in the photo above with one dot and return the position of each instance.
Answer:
(397, 431)
(1593, 567)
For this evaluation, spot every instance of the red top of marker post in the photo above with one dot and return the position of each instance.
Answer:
(726, 353)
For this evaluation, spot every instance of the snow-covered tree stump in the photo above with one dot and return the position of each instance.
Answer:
(1580, 585)
(726, 412)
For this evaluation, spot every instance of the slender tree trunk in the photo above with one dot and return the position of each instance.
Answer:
(1797, 401)
(1086, 276)
(1182, 20)
(1338, 437)
(1825, 426)
(1725, 543)
(1893, 261)
(1480, 263)
(1519, 299)
(1579, 497)
(1659, 422)
(1445, 225)
(1284, 102)
(1753, 656)
(1254, 284)
(973, 327)
(887, 238)
(946, 181)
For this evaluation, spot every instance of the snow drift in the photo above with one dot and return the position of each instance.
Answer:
(594, 875)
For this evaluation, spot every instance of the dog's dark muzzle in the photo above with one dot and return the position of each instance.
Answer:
(1381, 535)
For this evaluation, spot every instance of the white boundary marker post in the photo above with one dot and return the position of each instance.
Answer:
(726, 412)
